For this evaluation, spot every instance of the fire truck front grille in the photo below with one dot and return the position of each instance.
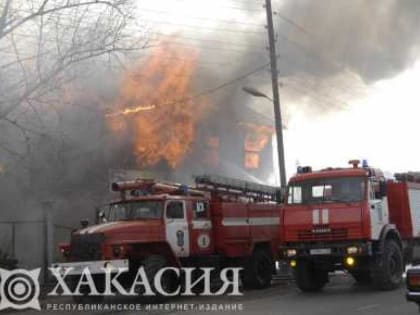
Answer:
(322, 234)
(85, 247)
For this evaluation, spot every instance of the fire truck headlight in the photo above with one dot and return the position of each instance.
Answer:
(117, 251)
(291, 252)
(413, 280)
(64, 252)
(352, 250)
(350, 261)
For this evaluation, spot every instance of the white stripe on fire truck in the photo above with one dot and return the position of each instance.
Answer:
(264, 221)
(315, 216)
(250, 221)
(201, 225)
(325, 216)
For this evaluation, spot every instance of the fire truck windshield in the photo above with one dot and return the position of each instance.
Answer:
(337, 189)
(135, 210)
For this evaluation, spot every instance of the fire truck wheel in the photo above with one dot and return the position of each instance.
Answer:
(361, 277)
(387, 269)
(152, 265)
(308, 278)
(258, 270)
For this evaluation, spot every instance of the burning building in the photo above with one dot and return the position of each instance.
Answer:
(176, 132)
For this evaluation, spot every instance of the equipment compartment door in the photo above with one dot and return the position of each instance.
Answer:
(177, 233)
(201, 230)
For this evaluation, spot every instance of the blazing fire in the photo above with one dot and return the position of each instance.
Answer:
(157, 105)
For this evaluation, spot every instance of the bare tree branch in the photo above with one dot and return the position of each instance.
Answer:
(3, 17)
(41, 11)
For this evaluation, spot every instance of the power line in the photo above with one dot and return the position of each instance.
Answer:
(200, 18)
(241, 51)
(241, 9)
(221, 86)
(196, 26)
(201, 62)
(316, 57)
(189, 25)
(291, 22)
(229, 43)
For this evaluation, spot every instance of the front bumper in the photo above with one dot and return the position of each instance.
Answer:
(333, 249)
(413, 284)
(94, 267)
(413, 296)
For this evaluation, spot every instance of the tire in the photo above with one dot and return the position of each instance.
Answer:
(258, 270)
(152, 265)
(387, 269)
(85, 298)
(362, 277)
(308, 278)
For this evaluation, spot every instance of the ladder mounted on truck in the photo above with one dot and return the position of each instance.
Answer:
(413, 177)
(223, 186)
(205, 184)
(144, 187)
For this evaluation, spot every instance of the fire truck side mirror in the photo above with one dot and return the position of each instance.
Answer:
(101, 217)
(382, 190)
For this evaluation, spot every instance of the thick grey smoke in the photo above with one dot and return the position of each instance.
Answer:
(376, 39)
(330, 51)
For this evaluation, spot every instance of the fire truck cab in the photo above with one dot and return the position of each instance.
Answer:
(220, 222)
(349, 219)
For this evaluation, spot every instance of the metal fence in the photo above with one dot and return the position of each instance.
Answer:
(33, 243)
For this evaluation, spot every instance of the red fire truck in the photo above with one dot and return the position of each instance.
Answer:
(218, 223)
(352, 219)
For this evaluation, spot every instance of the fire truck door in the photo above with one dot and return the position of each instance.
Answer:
(176, 223)
(378, 211)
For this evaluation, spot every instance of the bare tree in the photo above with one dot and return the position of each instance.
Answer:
(46, 46)
(41, 39)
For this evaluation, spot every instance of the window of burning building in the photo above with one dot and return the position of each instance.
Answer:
(256, 139)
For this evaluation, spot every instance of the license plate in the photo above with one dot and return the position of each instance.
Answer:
(320, 251)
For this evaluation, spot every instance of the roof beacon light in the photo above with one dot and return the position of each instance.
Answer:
(365, 163)
(304, 169)
(355, 163)
(307, 169)
(184, 189)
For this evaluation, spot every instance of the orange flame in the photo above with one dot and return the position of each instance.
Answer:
(165, 129)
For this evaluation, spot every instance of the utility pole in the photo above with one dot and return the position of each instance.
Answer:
(276, 97)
